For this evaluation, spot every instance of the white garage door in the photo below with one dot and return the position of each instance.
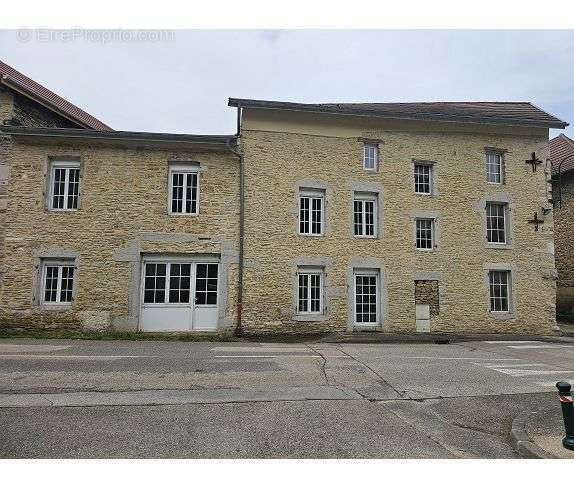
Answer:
(179, 296)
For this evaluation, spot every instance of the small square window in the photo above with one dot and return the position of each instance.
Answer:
(425, 234)
(58, 282)
(370, 157)
(64, 185)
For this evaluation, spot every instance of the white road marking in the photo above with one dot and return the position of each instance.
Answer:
(540, 346)
(30, 348)
(529, 372)
(275, 356)
(53, 356)
(262, 349)
(553, 383)
(510, 342)
(449, 359)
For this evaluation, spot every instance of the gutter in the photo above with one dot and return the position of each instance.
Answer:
(239, 154)
(91, 134)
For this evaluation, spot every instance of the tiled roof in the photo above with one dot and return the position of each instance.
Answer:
(561, 147)
(20, 82)
(506, 113)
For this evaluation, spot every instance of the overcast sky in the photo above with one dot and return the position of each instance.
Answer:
(181, 84)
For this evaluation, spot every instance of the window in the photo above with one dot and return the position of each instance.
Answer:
(496, 222)
(365, 215)
(366, 297)
(494, 167)
(423, 179)
(65, 185)
(310, 292)
(311, 212)
(499, 285)
(184, 189)
(424, 233)
(172, 283)
(206, 284)
(58, 282)
(370, 157)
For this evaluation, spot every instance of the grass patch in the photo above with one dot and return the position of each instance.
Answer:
(16, 332)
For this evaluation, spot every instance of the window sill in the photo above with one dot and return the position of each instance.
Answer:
(311, 235)
(426, 250)
(492, 245)
(310, 317)
(365, 237)
(502, 315)
(62, 210)
(56, 307)
(178, 214)
(424, 194)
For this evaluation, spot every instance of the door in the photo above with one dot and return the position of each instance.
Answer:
(367, 306)
(422, 317)
(179, 296)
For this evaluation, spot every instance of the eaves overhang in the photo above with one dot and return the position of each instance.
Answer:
(123, 138)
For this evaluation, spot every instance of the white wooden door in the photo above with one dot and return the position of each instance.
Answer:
(366, 294)
(179, 296)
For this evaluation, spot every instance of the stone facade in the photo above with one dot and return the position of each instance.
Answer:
(564, 231)
(15, 109)
(123, 216)
(289, 151)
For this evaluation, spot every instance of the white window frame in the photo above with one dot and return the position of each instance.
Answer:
(367, 157)
(508, 291)
(433, 232)
(506, 222)
(366, 197)
(311, 195)
(185, 169)
(57, 263)
(488, 163)
(303, 271)
(67, 166)
(193, 273)
(376, 274)
(431, 175)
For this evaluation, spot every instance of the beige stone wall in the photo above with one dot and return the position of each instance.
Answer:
(123, 214)
(564, 231)
(284, 152)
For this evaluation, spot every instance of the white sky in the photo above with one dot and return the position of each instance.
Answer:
(181, 84)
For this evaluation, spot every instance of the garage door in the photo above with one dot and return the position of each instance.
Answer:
(179, 296)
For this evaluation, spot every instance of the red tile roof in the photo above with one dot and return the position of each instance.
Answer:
(21, 83)
(560, 148)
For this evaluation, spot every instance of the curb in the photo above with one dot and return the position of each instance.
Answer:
(521, 441)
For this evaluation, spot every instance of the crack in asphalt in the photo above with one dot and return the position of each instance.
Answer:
(383, 380)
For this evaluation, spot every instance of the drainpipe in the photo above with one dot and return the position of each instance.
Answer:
(239, 154)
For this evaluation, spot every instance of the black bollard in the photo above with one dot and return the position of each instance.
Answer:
(567, 413)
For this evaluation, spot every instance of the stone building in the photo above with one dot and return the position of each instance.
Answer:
(562, 157)
(312, 218)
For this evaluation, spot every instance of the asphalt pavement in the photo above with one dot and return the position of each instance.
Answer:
(74, 399)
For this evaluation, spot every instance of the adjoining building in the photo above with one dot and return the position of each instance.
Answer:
(562, 157)
(312, 218)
